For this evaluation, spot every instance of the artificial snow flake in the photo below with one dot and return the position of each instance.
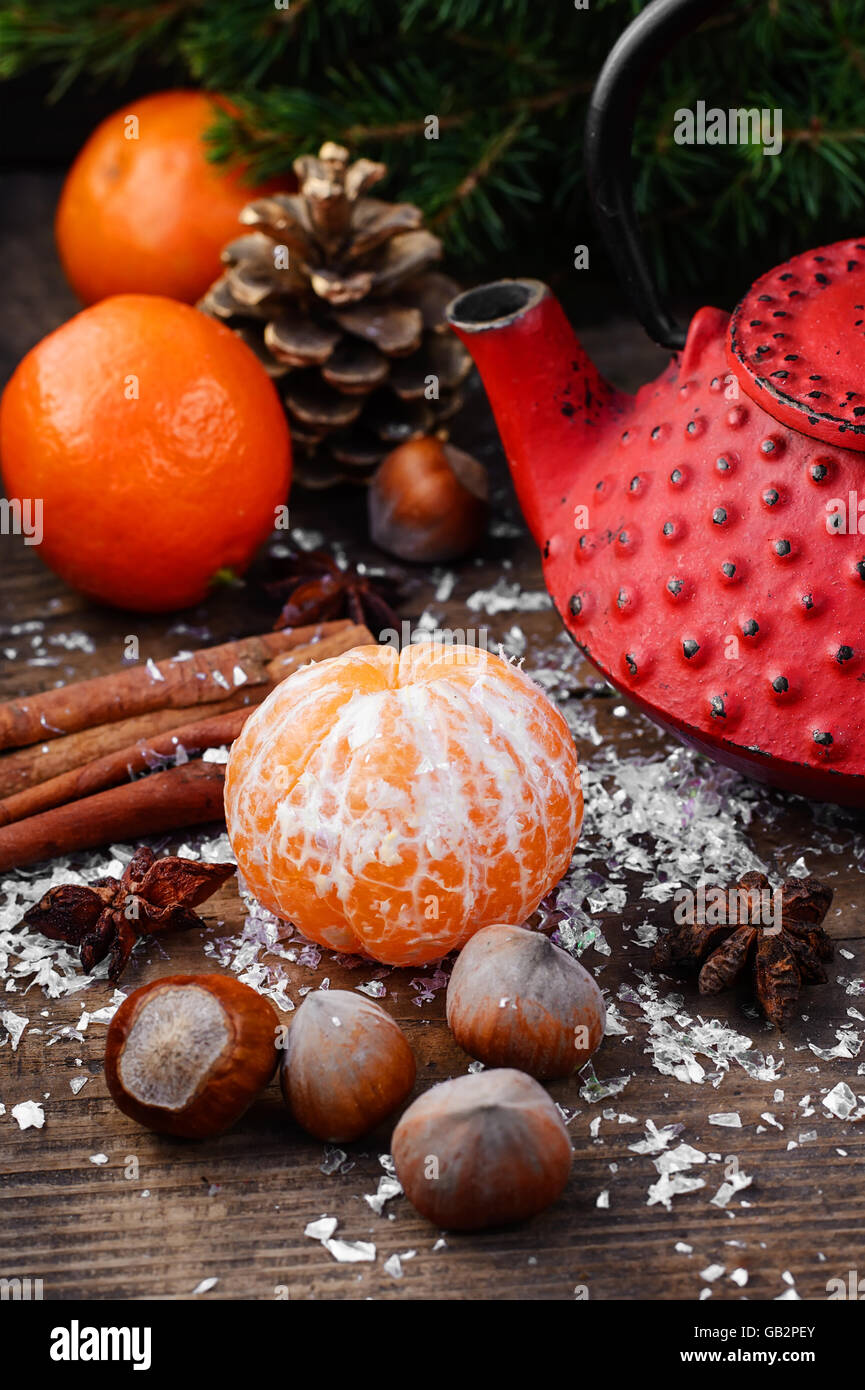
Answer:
(29, 1114)
(672, 1185)
(345, 1251)
(711, 1273)
(215, 755)
(350, 1251)
(694, 812)
(737, 1183)
(322, 1229)
(506, 597)
(332, 1161)
(594, 1090)
(428, 986)
(657, 1139)
(256, 952)
(849, 1044)
(103, 1015)
(14, 1025)
(388, 1188)
(840, 1102)
(674, 1039)
(374, 988)
(678, 1160)
(646, 934)
(726, 1119)
(759, 1067)
(99, 1159)
(205, 1286)
(445, 583)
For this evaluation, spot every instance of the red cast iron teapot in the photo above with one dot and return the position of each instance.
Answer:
(703, 540)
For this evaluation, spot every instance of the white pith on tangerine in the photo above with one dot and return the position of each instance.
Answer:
(392, 804)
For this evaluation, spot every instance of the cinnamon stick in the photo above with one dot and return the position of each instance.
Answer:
(209, 730)
(333, 644)
(188, 795)
(29, 767)
(123, 765)
(206, 676)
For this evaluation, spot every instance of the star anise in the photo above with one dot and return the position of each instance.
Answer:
(785, 952)
(107, 918)
(314, 589)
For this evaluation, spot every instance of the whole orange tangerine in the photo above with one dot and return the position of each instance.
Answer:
(393, 804)
(154, 443)
(143, 210)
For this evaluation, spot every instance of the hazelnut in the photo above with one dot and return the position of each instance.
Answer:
(483, 1150)
(346, 1065)
(516, 1000)
(428, 501)
(188, 1053)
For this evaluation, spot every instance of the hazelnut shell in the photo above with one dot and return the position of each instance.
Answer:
(516, 1000)
(428, 501)
(346, 1066)
(187, 1054)
(485, 1149)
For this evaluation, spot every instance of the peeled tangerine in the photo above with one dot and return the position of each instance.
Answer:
(391, 804)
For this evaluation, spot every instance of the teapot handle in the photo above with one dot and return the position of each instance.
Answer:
(609, 134)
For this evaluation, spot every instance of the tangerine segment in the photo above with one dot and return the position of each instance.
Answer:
(392, 806)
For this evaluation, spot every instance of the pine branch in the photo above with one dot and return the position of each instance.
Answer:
(507, 83)
(105, 39)
(479, 173)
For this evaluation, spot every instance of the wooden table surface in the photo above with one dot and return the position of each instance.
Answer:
(160, 1216)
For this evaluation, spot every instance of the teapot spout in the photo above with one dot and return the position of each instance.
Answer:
(550, 402)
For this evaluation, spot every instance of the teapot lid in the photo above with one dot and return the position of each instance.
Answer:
(797, 344)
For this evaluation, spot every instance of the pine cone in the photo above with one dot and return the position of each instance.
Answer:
(333, 291)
